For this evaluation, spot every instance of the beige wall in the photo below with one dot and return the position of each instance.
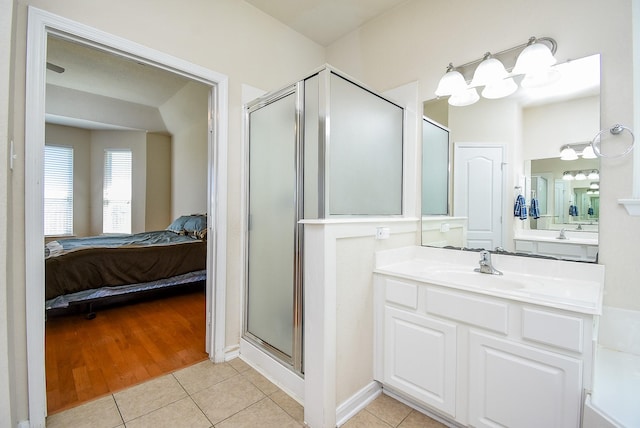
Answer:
(158, 182)
(417, 40)
(80, 140)
(88, 167)
(227, 36)
(548, 127)
(185, 116)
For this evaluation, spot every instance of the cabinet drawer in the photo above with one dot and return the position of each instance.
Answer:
(470, 309)
(401, 293)
(562, 331)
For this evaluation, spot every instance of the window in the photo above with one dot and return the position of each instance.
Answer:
(116, 197)
(58, 190)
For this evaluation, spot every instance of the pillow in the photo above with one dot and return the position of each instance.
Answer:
(177, 225)
(196, 226)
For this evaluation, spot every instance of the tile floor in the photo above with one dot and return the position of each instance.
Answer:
(222, 396)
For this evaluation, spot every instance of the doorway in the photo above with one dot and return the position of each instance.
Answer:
(478, 192)
(41, 25)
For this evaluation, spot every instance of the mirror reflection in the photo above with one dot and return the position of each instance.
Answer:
(504, 150)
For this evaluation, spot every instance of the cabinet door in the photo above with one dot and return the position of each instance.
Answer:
(420, 358)
(514, 385)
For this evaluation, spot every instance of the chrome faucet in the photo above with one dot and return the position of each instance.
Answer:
(485, 264)
(561, 235)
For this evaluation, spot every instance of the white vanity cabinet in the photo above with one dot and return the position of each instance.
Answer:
(420, 357)
(480, 360)
(515, 385)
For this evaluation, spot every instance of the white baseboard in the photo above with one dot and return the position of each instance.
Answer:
(276, 372)
(231, 352)
(358, 401)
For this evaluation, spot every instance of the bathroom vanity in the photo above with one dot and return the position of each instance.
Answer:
(486, 350)
(579, 246)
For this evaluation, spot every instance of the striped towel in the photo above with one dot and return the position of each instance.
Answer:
(520, 208)
(534, 209)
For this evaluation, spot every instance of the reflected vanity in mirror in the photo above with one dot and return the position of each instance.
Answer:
(501, 149)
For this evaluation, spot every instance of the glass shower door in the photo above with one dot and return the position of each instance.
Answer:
(272, 315)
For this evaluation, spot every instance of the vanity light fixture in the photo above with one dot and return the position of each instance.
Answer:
(588, 153)
(451, 83)
(568, 153)
(533, 59)
(464, 98)
(500, 89)
(535, 62)
(594, 185)
(572, 151)
(490, 71)
(581, 176)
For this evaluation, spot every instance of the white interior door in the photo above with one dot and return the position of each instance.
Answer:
(478, 192)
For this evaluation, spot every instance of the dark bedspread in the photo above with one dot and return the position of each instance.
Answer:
(134, 259)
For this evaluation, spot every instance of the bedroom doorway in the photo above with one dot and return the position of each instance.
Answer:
(42, 25)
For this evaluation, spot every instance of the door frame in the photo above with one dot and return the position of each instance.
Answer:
(40, 25)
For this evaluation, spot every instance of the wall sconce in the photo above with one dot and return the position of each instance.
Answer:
(571, 151)
(533, 59)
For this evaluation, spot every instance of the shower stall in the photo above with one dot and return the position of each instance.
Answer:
(322, 148)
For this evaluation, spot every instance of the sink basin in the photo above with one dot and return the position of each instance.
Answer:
(472, 278)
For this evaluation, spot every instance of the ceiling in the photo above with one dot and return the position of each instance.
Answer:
(93, 71)
(324, 21)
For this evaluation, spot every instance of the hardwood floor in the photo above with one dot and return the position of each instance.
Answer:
(123, 346)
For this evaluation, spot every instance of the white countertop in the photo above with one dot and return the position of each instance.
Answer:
(573, 237)
(560, 284)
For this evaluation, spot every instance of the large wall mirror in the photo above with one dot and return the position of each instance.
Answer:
(501, 149)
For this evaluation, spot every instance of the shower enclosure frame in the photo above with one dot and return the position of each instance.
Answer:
(317, 191)
(293, 361)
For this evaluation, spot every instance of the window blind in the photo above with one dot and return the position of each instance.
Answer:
(116, 210)
(58, 190)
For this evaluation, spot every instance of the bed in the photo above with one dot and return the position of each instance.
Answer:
(98, 268)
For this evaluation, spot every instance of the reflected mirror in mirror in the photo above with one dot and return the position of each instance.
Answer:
(568, 193)
(528, 128)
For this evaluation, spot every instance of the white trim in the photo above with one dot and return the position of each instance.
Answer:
(285, 378)
(358, 401)
(40, 24)
(320, 305)
(633, 204)
(231, 352)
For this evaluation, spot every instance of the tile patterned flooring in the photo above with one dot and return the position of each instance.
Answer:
(227, 395)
